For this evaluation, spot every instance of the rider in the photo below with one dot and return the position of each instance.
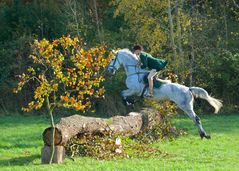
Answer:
(151, 63)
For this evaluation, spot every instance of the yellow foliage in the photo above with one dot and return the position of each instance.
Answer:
(66, 72)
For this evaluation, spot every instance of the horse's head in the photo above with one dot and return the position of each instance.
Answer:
(114, 63)
(123, 57)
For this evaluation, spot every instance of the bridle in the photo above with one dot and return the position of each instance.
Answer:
(115, 60)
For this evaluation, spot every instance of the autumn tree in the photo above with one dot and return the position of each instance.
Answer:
(64, 74)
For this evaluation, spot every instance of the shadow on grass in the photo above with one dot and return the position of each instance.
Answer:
(14, 140)
(17, 145)
(19, 161)
(9, 120)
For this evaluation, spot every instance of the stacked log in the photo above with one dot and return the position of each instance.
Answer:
(70, 126)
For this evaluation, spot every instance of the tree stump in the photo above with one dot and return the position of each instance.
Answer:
(58, 155)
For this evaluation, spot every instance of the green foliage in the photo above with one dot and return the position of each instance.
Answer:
(13, 58)
(13, 61)
(31, 18)
(21, 22)
(146, 20)
(202, 27)
(222, 72)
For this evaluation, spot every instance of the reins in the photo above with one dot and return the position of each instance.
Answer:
(116, 59)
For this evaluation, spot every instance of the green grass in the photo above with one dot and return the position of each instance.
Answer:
(21, 142)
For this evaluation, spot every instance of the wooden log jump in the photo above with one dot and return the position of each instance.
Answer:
(70, 126)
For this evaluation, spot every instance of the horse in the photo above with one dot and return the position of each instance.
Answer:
(182, 95)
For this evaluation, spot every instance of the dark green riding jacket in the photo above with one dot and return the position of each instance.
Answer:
(151, 63)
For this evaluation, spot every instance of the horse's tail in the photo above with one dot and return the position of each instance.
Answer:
(201, 93)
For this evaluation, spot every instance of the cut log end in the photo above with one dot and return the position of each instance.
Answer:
(47, 136)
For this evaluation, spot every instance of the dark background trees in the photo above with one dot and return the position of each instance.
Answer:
(199, 38)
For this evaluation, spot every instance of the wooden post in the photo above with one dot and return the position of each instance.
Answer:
(58, 157)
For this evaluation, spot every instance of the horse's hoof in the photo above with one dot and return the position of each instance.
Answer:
(203, 134)
(126, 103)
(208, 137)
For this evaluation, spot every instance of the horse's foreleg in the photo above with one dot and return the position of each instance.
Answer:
(125, 94)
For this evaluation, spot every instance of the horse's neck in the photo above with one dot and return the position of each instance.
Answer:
(130, 66)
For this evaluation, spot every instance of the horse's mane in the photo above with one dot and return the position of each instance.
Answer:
(128, 53)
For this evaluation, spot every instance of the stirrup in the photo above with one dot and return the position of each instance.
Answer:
(149, 95)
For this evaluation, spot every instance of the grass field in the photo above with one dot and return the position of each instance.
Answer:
(21, 142)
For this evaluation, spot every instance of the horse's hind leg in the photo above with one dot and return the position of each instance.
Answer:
(197, 121)
(188, 109)
(202, 132)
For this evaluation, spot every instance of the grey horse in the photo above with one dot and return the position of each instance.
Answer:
(183, 96)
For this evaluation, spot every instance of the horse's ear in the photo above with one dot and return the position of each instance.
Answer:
(114, 51)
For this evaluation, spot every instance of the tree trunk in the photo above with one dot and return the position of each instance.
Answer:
(97, 20)
(128, 125)
(170, 18)
(52, 133)
(191, 57)
(72, 5)
(179, 31)
(181, 62)
(225, 23)
(191, 49)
